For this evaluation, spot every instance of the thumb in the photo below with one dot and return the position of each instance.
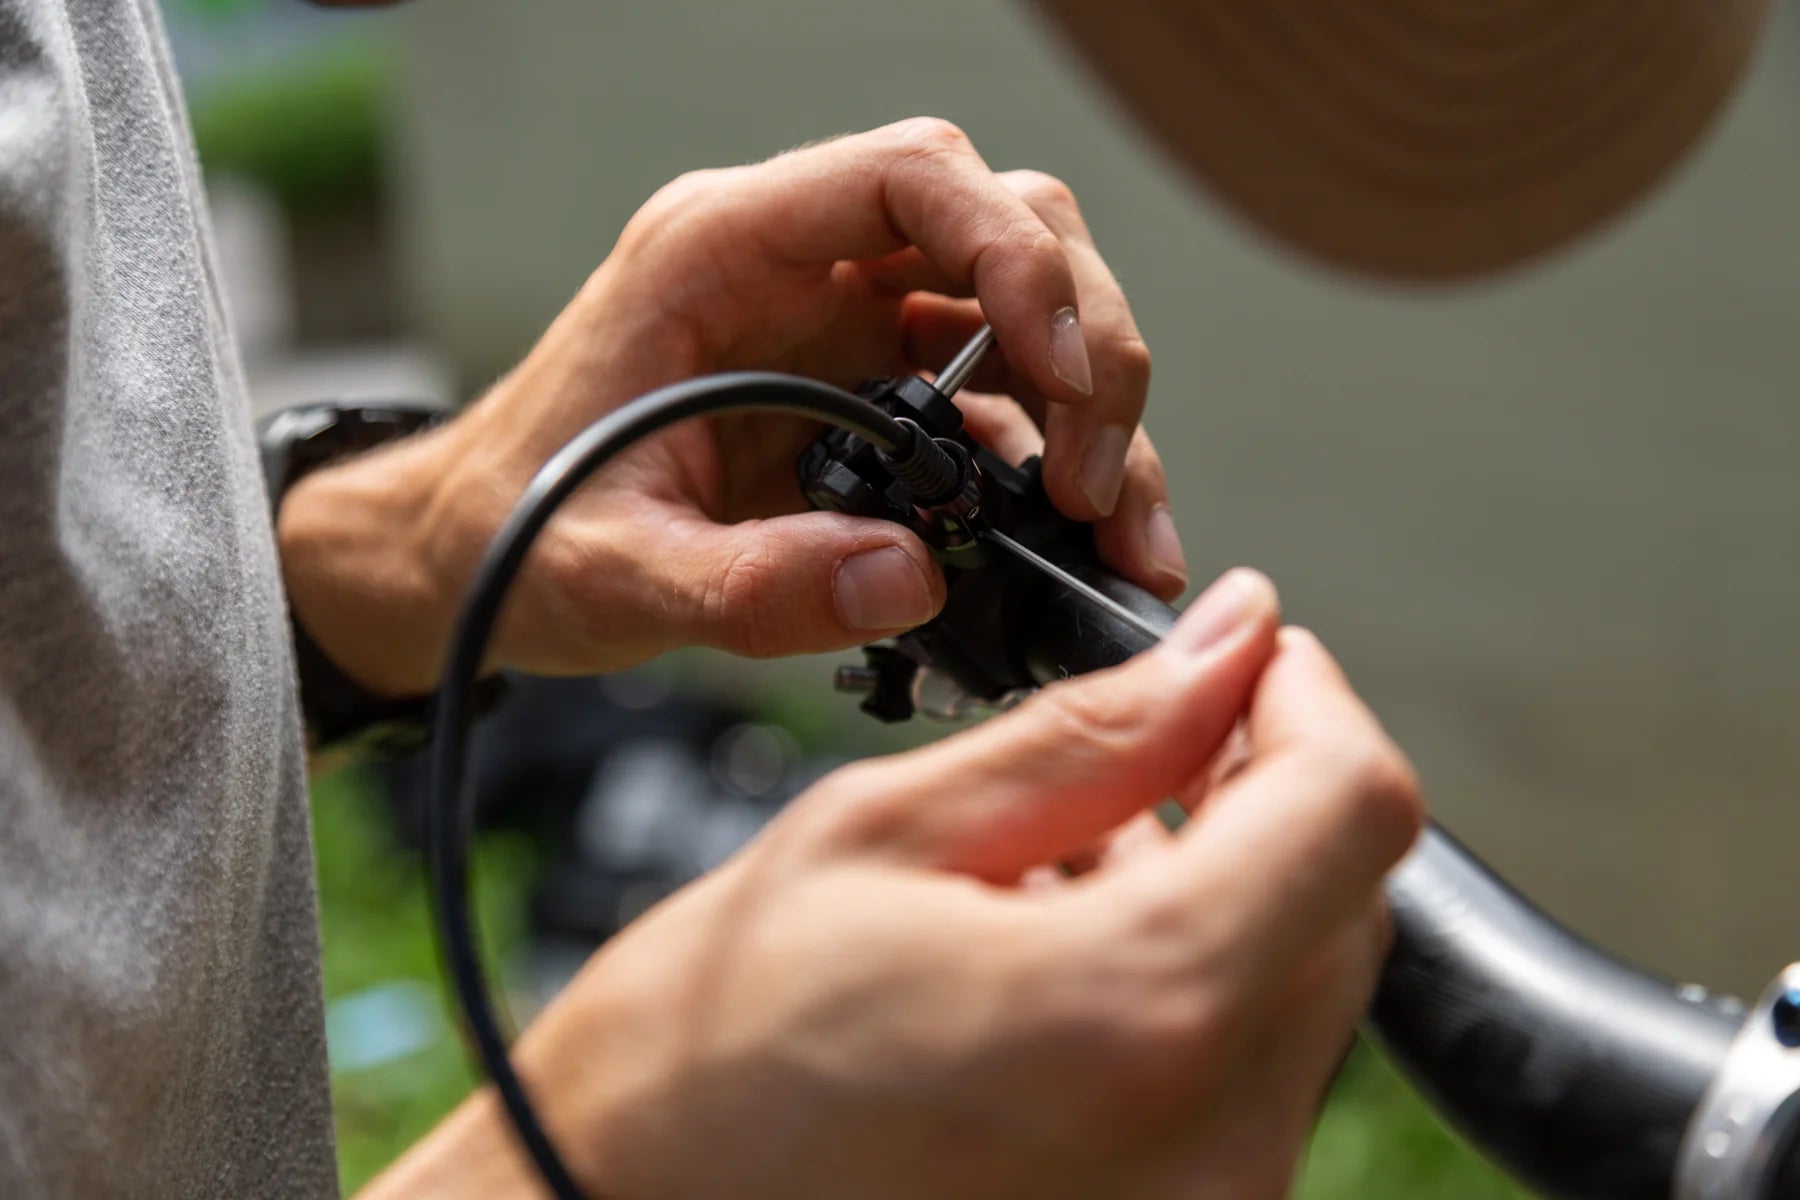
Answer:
(1081, 756)
(801, 584)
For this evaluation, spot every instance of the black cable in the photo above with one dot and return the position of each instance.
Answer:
(448, 815)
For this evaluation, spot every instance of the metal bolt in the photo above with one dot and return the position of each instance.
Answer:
(856, 680)
(957, 371)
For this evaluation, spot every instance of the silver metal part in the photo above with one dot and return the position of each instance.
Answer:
(1007, 701)
(1092, 594)
(937, 696)
(1749, 1114)
(949, 381)
(856, 680)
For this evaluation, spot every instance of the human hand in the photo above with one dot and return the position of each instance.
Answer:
(867, 255)
(882, 996)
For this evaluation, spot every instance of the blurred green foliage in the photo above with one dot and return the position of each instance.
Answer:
(1376, 1139)
(311, 131)
(217, 10)
(375, 923)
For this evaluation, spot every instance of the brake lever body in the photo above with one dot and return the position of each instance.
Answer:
(1022, 581)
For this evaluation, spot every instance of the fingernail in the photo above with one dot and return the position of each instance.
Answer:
(1164, 543)
(1103, 467)
(1068, 352)
(881, 589)
(1233, 601)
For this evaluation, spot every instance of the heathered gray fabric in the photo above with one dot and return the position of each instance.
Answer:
(160, 1019)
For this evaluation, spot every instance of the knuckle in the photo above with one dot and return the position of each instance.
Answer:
(676, 205)
(1033, 241)
(930, 135)
(1086, 714)
(868, 781)
(681, 194)
(739, 591)
(1381, 790)
(1042, 190)
(1130, 357)
(826, 799)
(813, 824)
(1022, 248)
(858, 806)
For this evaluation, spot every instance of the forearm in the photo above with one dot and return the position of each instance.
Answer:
(472, 1153)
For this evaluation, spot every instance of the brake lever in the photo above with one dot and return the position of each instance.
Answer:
(1091, 594)
(1000, 542)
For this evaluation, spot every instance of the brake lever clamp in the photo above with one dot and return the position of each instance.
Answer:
(965, 657)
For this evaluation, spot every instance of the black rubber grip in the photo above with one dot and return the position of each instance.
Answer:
(1575, 1072)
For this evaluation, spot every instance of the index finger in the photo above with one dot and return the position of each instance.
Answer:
(921, 183)
(1280, 856)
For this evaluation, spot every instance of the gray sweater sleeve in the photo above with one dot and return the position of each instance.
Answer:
(159, 973)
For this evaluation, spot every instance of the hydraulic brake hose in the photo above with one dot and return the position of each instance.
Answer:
(448, 816)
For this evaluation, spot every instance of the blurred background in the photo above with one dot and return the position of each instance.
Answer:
(1549, 523)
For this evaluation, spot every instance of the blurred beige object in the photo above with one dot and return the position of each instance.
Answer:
(1425, 140)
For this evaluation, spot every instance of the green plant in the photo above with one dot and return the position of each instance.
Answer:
(312, 131)
(1376, 1139)
(217, 10)
(375, 925)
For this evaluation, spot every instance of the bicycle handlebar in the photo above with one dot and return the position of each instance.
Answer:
(1575, 1071)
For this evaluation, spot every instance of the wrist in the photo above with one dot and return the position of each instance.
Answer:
(367, 568)
(584, 1069)
(378, 550)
